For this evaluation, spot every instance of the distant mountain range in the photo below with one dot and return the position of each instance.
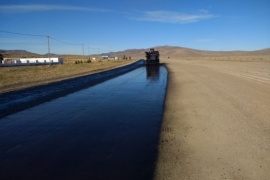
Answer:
(172, 51)
(165, 51)
(14, 52)
(22, 53)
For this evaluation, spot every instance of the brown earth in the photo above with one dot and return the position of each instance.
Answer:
(216, 122)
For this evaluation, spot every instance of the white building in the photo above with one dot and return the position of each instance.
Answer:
(104, 57)
(109, 58)
(113, 58)
(32, 61)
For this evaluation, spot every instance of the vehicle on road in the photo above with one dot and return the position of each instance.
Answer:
(152, 56)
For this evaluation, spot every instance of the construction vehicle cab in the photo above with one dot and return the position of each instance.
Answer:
(152, 56)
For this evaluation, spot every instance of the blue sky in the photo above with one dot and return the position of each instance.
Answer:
(113, 25)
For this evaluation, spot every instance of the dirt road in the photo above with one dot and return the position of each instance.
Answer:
(217, 121)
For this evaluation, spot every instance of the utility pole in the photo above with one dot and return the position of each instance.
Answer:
(99, 54)
(49, 48)
(83, 49)
(88, 52)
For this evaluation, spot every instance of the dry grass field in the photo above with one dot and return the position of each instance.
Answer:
(13, 78)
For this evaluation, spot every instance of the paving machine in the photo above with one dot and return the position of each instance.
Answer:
(152, 56)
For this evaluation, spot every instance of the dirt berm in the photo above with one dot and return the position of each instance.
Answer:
(216, 122)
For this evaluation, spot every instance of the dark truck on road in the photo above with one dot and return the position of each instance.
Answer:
(152, 56)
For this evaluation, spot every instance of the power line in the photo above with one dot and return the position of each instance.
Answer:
(22, 33)
(65, 42)
(38, 35)
(48, 41)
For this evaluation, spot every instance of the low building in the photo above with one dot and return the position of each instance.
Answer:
(32, 61)
(113, 58)
(104, 57)
(108, 58)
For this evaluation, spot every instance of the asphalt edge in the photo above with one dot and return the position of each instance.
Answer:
(53, 90)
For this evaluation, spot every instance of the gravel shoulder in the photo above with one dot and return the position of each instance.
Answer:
(216, 122)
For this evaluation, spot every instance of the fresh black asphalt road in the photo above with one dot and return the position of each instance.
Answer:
(107, 131)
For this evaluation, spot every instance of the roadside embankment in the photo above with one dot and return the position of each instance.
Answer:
(20, 77)
(14, 101)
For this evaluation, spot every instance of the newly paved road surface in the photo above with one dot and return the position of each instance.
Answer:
(108, 131)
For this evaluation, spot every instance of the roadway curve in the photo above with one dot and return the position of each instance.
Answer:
(216, 122)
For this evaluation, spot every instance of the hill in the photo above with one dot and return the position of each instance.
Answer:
(14, 52)
(165, 51)
(174, 51)
(17, 53)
